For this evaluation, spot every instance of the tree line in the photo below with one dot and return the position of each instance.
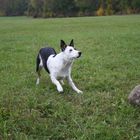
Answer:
(67, 8)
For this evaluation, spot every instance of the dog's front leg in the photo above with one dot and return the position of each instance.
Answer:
(71, 83)
(57, 83)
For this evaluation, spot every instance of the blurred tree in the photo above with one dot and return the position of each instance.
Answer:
(64, 7)
(47, 8)
(121, 6)
(101, 9)
(52, 8)
(35, 8)
(13, 7)
(136, 6)
(2, 7)
(109, 10)
(22, 6)
(87, 7)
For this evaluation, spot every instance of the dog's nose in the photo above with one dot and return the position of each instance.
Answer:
(80, 54)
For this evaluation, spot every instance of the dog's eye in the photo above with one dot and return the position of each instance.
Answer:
(70, 50)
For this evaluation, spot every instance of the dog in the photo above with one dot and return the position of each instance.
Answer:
(58, 65)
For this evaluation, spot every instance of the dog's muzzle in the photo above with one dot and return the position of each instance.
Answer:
(79, 54)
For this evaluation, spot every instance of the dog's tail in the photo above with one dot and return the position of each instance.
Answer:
(37, 63)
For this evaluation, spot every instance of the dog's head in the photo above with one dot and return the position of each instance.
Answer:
(69, 50)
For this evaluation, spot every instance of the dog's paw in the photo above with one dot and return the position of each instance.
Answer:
(79, 92)
(37, 82)
(60, 89)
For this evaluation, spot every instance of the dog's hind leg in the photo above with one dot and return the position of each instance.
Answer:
(62, 82)
(39, 66)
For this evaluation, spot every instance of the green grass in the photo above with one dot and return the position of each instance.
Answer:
(107, 71)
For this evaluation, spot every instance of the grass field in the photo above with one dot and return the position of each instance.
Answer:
(107, 71)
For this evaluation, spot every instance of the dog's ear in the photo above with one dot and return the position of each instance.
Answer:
(63, 45)
(72, 43)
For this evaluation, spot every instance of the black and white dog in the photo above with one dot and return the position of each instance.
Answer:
(58, 65)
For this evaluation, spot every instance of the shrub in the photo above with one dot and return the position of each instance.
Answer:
(100, 11)
(2, 13)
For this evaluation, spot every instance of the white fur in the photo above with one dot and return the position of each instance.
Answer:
(60, 68)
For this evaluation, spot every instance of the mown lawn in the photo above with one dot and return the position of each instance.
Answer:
(107, 71)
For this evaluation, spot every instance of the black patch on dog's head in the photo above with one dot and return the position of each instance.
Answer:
(63, 45)
(72, 43)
